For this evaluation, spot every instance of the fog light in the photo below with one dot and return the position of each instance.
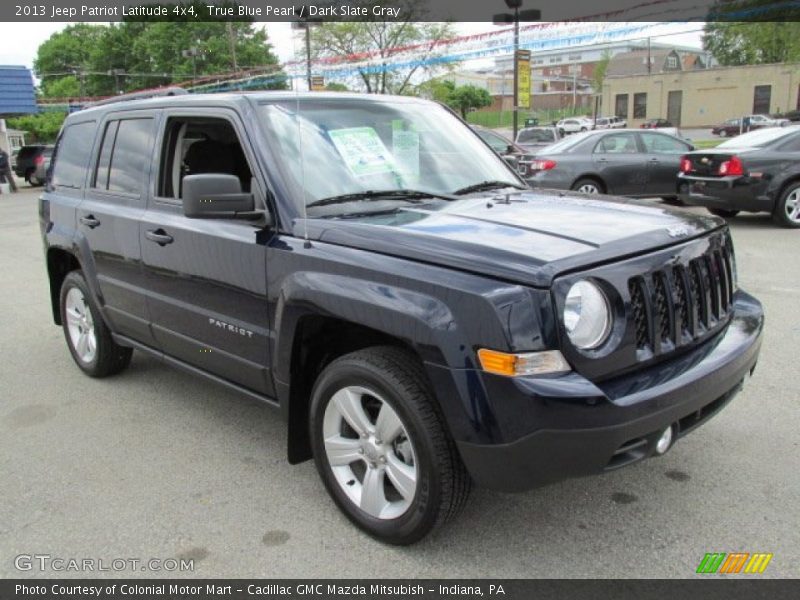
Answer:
(665, 441)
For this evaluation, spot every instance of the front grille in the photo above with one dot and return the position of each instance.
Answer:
(676, 305)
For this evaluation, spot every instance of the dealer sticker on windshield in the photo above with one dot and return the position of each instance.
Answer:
(363, 151)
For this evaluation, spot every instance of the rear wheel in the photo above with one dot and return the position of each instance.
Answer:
(723, 212)
(787, 211)
(381, 446)
(723, 133)
(588, 186)
(88, 338)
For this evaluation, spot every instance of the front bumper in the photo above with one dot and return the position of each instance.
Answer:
(590, 428)
(728, 193)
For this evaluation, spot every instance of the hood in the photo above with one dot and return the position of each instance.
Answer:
(531, 239)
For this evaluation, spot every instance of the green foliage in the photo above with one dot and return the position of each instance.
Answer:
(766, 37)
(334, 86)
(465, 98)
(600, 70)
(151, 54)
(359, 37)
(42, 127)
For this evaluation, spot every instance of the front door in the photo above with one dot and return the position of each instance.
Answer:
(206, 278)
(674, 101)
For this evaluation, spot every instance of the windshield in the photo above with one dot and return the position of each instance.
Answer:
(355, 145)
(536, 135)
(758, 138)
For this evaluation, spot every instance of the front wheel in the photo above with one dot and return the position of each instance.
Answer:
(88, 338)
(787, 211)
(723, 133)
(723, 212)
(381, 446)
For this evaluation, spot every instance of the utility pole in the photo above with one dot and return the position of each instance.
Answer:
(507, 19)
(232, 44)
(192, 52)
(307, 24)
(649, 58)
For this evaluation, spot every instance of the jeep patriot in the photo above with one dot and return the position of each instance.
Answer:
(368, 266)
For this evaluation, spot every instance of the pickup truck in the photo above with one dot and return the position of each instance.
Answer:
(370, 268)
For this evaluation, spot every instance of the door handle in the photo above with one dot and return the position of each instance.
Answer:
(654, 160)
(90, 221)
(159, 236)
(602, 160)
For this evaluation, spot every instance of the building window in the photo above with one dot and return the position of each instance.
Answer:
(672, 62)
(762, 96)
(621, 106)
(640, 106)
(574, 57)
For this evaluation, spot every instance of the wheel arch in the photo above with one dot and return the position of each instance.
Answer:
(60, 263)
(594, 177)
(781, 189)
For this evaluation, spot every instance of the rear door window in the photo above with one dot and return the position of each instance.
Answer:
(72, 155)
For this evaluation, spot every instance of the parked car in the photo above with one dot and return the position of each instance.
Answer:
(618, 122)
(603, 123)
(729, 128)
(514, 154)
(792, 115)
(367, 266)
(765, 121)
(656, 124)
(32, 163)
(755, 172)
(625, 162)
(535, 138)
(574, 125)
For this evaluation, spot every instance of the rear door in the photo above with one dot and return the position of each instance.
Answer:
(618, 160)
(206, 278)
(108, 218)
(663, 154)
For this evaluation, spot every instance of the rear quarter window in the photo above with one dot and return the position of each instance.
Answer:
(72, 155)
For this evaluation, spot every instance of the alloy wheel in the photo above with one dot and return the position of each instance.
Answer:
(792, 206)
(80, 326)
(588, 188)
(370, 452)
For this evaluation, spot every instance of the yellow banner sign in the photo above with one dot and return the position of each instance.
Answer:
(523, 59)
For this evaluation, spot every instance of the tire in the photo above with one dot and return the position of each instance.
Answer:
(587, 185)
(35, 181)
(433, 484)
(787, 210)
(83, 326)
(723, 212)
(723, 133)
(583, 129)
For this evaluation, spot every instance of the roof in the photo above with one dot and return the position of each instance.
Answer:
(17, 94)
(635, 63)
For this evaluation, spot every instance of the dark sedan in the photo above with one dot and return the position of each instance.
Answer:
(655, 124)
(625, 162)
(756, 172)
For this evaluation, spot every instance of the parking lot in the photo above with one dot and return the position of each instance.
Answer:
(155, 463)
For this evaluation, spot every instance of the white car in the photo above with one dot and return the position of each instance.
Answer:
(575, 124)
(766, 121)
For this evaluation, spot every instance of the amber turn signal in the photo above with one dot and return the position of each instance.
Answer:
(528, 363)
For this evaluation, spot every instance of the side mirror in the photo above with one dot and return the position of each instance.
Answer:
(217, 196)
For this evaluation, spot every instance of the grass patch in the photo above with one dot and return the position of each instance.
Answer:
(704, 144)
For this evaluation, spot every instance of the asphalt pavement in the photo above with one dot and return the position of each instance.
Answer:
(155, 463)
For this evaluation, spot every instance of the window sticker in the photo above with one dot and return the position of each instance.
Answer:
(363, 151)
(405, 144)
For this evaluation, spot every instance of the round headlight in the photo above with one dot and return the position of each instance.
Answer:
(587, 315)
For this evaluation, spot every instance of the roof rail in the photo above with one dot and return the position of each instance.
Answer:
(143, 95)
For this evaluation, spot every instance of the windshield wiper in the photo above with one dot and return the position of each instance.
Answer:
(487, 185)
(414, 196)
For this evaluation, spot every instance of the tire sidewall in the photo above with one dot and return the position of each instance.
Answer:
(582, 182)
(422, 514)
(75, 280)
(780, 209)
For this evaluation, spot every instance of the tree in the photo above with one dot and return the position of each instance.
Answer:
(334, 86)
(43, 127)
(376, 42)
(134, 55)
(770, 35)
(600, 70)
(468, 97)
